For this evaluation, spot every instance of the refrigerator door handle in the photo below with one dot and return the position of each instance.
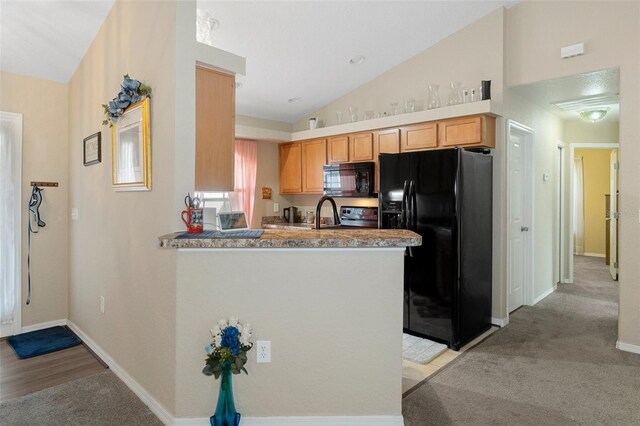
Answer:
(403, 213)
(411, 212)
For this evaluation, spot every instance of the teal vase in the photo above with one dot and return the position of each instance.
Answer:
(225, 414)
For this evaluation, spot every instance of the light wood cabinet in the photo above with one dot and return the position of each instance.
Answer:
(387, 142)
(215, 130)
(338, 149)
(361, 147)
(476, 130)
(314, 157)
(290, 160)
(419, 137)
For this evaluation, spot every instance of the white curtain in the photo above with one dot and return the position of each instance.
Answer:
(246, 165)
(578, 205)
(10, 161)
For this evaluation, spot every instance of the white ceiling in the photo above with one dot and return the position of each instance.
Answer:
(302, 48)
(545, 93)
(293, 49)
(47, 39)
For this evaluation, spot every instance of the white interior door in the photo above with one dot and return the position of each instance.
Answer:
(613, 215)
(10, 222)
(517, 217)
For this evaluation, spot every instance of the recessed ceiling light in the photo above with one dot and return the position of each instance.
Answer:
(294, 100)
(358, 59)
(238, 85)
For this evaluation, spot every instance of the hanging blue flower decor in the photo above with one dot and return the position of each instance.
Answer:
(132, 91)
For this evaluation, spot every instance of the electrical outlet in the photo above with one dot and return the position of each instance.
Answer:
(102, 304)
(263, 352)
(276, 207)
(74, 213)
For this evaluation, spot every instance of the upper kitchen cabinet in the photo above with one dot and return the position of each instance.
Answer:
(215, 130)
(476, 130)
(301, 166)
(361, 147)
(314, 157)
(338, 149)
(290, 160)
(386, 142)
(419, 137)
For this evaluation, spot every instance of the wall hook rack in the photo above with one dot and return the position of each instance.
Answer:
(54, 184)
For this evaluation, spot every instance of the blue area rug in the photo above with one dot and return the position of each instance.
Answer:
(39, 342)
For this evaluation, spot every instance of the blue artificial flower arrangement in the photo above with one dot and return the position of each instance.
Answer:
(231, 342)
(132, 91)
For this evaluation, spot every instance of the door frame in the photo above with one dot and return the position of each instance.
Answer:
(562, 151)
(16, 119)
(570, 210)
(528, 208)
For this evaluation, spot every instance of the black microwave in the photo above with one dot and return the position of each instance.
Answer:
(349, 180)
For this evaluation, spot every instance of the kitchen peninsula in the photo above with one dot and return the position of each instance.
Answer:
(330, 302)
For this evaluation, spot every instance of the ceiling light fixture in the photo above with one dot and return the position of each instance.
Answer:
(593, 115)
(214, 24)
(294, 100)
(358, 59)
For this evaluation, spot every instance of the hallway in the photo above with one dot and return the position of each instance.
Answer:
(555, 363)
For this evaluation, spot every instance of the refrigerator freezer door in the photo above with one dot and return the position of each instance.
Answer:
(432, 269)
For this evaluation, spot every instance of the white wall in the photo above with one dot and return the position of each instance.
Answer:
(548, 130)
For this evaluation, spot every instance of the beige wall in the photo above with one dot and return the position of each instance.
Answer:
(335, 341)
(596, 169)
(45, 148)
(600, 132)
(267, 175)
(470, 55)
(535, 33)
(114, 246)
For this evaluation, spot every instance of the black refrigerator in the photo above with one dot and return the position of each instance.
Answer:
(446, 197)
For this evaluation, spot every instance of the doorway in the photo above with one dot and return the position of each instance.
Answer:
(519, 215)
(10, 222)
(593, 170)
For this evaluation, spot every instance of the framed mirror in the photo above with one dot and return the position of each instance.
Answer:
(131, 149)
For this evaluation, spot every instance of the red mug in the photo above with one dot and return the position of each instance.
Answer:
(193, 220)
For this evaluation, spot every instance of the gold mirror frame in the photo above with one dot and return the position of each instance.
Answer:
(131, 149)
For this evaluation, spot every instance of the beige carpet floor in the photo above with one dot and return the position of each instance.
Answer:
(100, 399)
(554, 364)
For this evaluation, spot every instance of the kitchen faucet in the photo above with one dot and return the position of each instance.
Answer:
(336, 217)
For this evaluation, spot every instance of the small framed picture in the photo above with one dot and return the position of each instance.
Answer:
(92, 149)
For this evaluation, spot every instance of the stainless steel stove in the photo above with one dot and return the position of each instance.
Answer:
(359, 217)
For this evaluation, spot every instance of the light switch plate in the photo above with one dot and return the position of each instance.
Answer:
(74, 213)
(276, 207)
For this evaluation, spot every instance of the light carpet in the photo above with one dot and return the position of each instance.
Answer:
(554, 364)
(99, 399)
(419, 350)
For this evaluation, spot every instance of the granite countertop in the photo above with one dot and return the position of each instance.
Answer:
(292, 226)
(285, 238)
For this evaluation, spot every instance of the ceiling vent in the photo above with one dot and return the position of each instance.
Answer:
(588, 102)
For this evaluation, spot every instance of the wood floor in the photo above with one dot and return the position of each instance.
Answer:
(19, 377)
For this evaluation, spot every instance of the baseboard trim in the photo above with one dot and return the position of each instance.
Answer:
(305, 420)
(43, 325)
(500, 322)
(627, 347)
(135, 387)
(594, 254)
(545, 294)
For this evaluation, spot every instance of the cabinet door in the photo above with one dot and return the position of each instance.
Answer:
(418, 137)
(361, 147)
(215, 130)
(314, 157)
(468, 131)
(387, 141)
(290, 168)
(338, 149)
